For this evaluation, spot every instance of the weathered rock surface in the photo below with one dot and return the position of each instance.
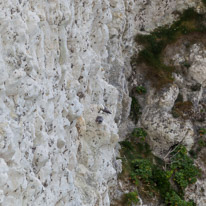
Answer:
(60, 61)
(164, 130)
(197, 71)
(52, 85)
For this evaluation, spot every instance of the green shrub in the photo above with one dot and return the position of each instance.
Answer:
(193, 154)
(139, 133)
(173, 199)
(130, 198)
(202, 143)
(161, 180)
(126, 144)
(202, 131)
(141, 90)
(152, 178)
(184, 170)
(127, 149)
(142, 168)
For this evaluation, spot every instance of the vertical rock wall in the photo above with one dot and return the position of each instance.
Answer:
(60, 61)
(52, 87)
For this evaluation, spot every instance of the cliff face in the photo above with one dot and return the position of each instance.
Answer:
(62, 62)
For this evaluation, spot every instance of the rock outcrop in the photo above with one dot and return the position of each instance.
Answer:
(163, 129)
(61, 62)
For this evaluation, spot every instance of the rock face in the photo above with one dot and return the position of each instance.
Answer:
(197, 70)
(52, 151)
(60, 61)
(164, 130)
(197, 191)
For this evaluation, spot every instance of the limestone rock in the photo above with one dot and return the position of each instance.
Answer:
(197, 71)
(163, 129)
(59, 61)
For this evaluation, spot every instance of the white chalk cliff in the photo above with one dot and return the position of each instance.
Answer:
(61, 61)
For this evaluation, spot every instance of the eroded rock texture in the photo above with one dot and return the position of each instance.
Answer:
(60, 61)
(52, 87)
(163, 129)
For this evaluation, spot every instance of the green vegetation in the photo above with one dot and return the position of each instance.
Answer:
(202, 131)
(173, 199)
(182, 167)
(204, 2)
(193, 153)
(150, 174)
(141, 90)
(201, 141)
(142, 168)
(154, 44)
(139, 133)
(130, 198)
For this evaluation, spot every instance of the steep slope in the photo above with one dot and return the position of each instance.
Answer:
(62, 62)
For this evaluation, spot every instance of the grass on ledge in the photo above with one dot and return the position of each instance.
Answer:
(154, 44)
